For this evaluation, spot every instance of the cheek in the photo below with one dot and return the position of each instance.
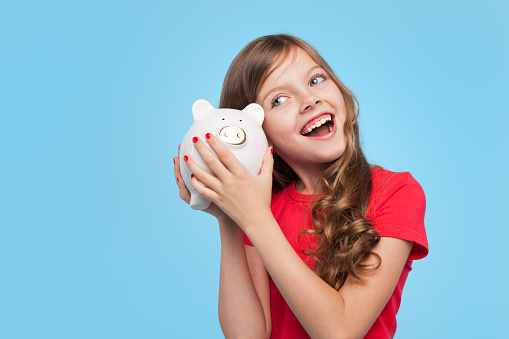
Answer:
(276, 134)
(271, 136)
(271, 128)
(268, 132)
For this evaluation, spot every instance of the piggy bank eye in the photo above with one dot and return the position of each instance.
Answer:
(222, 119)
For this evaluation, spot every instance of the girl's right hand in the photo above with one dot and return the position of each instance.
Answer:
(185, 195)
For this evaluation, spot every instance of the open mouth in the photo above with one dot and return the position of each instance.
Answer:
(319, 127)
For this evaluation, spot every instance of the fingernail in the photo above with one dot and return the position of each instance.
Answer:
(186, 158)
(173, 160)
(272, 150)
(192, 176)
(208, 135)
(177, 179)
(195, 139)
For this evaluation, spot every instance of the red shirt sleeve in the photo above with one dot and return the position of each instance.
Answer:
(397, 209)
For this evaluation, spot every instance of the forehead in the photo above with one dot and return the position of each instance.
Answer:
(291, 63)
(288, 68)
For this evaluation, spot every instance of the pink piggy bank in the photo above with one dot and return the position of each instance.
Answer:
(240, 131)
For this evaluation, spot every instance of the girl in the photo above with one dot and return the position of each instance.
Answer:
(320, 243)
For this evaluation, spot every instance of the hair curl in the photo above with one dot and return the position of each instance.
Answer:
(344, 236)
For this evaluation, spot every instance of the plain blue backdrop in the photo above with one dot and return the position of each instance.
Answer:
(95, 96)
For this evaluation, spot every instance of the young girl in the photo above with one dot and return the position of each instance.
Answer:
(320, 243)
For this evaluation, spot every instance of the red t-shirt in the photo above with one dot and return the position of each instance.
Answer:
(396, 209)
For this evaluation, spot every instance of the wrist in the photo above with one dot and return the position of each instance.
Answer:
(230, 232)
(227, 225)
(225, 220)
(258, 223)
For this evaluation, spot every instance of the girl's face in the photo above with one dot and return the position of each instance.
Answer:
(304, 112)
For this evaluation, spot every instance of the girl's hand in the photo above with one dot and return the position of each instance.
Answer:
(242, 195)
(186, 195)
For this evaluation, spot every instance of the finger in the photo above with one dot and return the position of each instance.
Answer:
(176, 166)
(183, 191)
(205, 177)
(176, 169)
(203, 189)
(215, 165)
(268, 163)
(225, 155)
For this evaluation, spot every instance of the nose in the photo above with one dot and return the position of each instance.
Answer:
(232, 135)
(309, 102)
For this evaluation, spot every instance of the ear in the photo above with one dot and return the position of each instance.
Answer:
(256, 112)
(201, 107)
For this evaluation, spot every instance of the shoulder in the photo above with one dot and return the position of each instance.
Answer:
(396, 208)
(387, 180)
(393, 187)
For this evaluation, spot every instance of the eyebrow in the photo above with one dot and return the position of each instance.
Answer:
(278, 88)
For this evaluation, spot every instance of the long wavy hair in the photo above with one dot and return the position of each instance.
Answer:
(344, 236)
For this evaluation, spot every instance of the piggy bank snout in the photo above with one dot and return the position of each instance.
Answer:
(232, 135)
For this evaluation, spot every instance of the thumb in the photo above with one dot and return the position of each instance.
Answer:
(268, 163)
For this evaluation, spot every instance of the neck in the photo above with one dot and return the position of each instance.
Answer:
(309, 181)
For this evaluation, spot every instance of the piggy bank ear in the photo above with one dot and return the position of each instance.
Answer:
(201, 107)
(255, 111)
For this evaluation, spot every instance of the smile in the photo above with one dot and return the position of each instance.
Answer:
(320, 126)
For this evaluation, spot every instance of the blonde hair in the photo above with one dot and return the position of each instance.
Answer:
(344, 236)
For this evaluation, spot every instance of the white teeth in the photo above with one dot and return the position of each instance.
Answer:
(319, 123)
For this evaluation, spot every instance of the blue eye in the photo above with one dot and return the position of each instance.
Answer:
(317, 79)
(278, 100)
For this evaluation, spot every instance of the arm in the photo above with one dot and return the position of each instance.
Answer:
(244, 298)
(323, 311)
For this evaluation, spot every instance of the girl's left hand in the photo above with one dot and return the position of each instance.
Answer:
(234, 189)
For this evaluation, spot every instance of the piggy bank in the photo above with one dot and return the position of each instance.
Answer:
(239, 131)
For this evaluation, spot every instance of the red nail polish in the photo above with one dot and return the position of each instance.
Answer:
(195, 139)
(177, 179)
(186, 158)
(192, 176)
(208, 135)
(272, 150)
(173, 160)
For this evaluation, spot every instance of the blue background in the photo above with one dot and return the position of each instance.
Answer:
(95, 96)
